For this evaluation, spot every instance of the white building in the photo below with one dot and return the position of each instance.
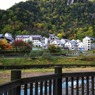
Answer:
(71, 45)
(57, 43)
(24, 38)
(34, 38)
(37, 44)
(45, 42)
(87, 43)
(80, 46)
(1, 36)
(39, 41)
(64, 40)
(8, 37)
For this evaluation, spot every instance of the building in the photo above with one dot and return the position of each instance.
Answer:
(87, 43)
(57, 43)
(24, 38)
(8, 37)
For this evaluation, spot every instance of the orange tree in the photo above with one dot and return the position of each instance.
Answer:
(4, 45)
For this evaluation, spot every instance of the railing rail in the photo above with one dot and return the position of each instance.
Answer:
(71, 83)
(45, 66)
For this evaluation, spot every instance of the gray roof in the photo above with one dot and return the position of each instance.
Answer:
(25, 36)
(51, 34)
(1, 35)
(22, 36)
(59, 41)
(36, 36)
(7, 35)
(9, 38)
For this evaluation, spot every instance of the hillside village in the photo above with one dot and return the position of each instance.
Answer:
(87, 42)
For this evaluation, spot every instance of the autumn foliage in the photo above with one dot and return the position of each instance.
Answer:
(21, 45)
(4, 45)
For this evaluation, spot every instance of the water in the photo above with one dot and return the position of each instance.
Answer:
(63, 87)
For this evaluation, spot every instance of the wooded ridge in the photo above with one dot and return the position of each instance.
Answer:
(45, 16)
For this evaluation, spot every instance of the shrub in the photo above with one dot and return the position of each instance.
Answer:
(54, 49)
(4, 45)
(35, 54)
(21, 45)
(47, 56)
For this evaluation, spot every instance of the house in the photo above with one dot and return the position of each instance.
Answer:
(64, 40)
(80, 46)
(25, 38)
(34, 38)
(87, 43)
(1, 36)
(57, 43)
(8, 37)
(37, 43)
(51, 37)
(71, 45)
(45, 42)
(31, 38)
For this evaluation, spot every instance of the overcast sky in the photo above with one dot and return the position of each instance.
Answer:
(5, 4)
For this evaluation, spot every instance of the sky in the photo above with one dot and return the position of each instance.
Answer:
(5, 4)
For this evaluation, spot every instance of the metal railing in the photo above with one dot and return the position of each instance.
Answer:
(70, 83)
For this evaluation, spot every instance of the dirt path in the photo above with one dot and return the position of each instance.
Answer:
(5, 75)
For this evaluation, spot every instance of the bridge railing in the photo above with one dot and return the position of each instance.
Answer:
(70, 83)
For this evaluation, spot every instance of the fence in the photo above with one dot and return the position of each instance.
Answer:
(71, 83)
(45, 66)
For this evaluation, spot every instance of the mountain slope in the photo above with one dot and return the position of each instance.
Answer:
(37, 17)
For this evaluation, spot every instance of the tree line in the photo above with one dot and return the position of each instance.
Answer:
(49, 16)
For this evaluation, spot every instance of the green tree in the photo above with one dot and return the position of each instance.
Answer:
(80, 33)
(54, 49)
(89, 32)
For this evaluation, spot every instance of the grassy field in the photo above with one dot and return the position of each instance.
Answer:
(51, 60)
(5, 74)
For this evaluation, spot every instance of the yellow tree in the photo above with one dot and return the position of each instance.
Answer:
(4, 45)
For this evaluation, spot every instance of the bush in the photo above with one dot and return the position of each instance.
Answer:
(54, 49)
(35, 54)
(20, 45)
(4, 45)
(47, 56)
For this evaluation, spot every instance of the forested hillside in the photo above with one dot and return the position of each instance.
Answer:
(47, 16)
